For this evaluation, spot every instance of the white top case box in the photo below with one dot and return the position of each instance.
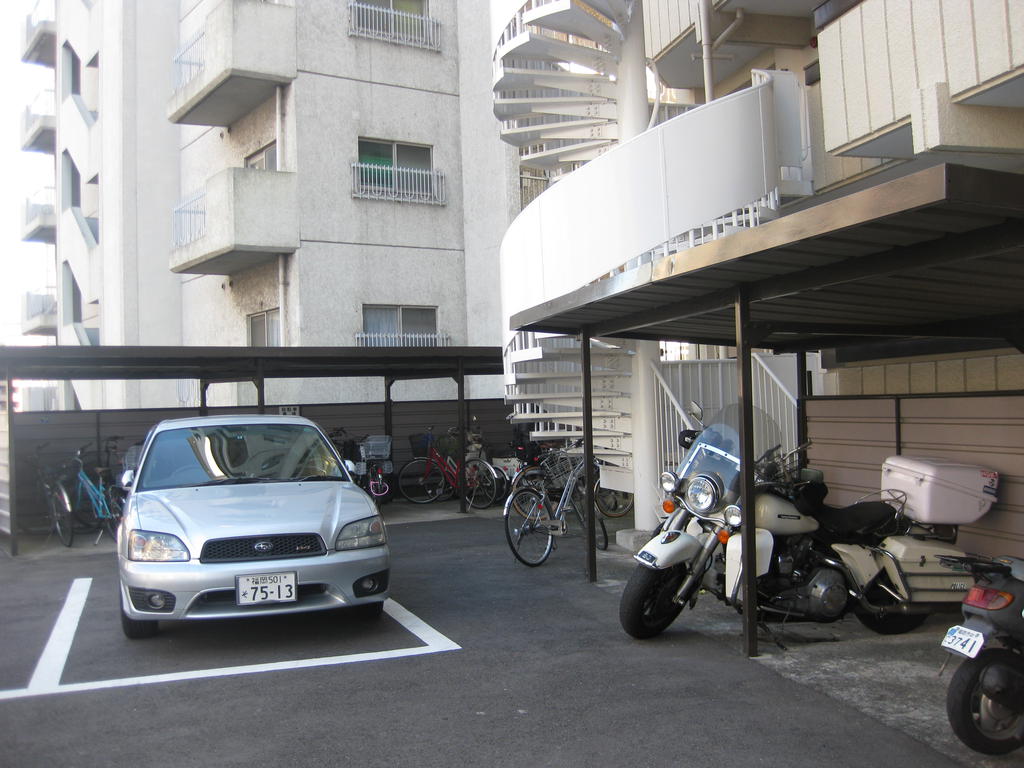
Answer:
(941, 491)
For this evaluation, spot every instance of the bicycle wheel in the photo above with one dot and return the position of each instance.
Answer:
(58, 506)
(481, 485)
(421, 482)
(600, 532)
(526, 516)
(112, 520)
(612, 503)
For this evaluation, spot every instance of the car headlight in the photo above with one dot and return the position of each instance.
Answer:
(701, 494)
(368, 532)
(668, 481)
(153, 547)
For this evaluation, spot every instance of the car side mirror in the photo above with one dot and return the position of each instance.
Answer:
(687, 437)
(127, 478)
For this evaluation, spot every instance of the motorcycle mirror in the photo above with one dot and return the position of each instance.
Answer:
(687, 437)
(350, 466)
(127, 478)
(696, 411)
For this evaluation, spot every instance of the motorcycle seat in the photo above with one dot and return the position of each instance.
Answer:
(863, 519)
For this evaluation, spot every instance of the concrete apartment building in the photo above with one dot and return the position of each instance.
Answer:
(786, 105)
(259, 172)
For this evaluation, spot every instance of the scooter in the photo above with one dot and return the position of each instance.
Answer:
(985, 701)
(814, 562)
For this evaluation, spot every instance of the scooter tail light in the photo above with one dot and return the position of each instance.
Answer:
(987, 599)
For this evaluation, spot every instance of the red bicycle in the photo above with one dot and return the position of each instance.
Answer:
(434, 477)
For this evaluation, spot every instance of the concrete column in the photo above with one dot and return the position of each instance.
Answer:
(632, 77)
(646, 491)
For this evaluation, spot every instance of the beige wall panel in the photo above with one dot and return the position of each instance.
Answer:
(922, 378)
(927, 31)
(980, 374)
(855, 76)
(876, 58)
(988, 431)
(1010, 372)
(833, 102)
(1015, 16)
(901, 55)
(992, 38)
(958, 18)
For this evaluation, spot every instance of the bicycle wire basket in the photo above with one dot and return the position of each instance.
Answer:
(558, 465)
(375, 447)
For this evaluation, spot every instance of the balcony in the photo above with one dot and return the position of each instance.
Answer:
(377, 23)
(39, 124)
(243, 218)
(402, 339)
(39, 43)
(39, 220)
(39, 313)
(371, 181)
(234, 64)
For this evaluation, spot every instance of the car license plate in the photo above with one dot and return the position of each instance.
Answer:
(964, 641)
(260, 588)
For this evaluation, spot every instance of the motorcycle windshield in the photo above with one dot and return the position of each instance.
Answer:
(717, 450)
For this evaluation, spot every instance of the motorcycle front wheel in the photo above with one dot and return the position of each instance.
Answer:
(979, 722)
(646, 608)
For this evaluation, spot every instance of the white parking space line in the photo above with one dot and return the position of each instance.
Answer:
(50, 666)
(435, 642)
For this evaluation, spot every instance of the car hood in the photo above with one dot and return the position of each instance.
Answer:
(199, 514)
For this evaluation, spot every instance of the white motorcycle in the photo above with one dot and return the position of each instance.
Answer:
(879, 558)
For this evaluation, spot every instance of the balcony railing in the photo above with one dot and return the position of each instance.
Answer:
(402, 339)
(189, 59)
(188, 221)
(405, 185)
(400, 27)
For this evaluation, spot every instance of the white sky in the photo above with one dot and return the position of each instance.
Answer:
(25, 267)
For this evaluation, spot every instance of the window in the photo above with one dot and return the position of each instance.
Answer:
(405, 22)
(388, 170)
(264, 159)
(394, 326)
(265, 329)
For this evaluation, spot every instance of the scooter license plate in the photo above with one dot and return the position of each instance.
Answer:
(963, 641)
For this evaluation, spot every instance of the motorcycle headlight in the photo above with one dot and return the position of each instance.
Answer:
(701, 495)
(368, 532)
(148, 546)
(668, 481)
(733, 515)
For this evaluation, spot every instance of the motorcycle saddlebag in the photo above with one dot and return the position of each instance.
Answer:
(913, 566)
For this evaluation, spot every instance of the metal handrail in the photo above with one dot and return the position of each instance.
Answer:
(377, 23)
(408, 185)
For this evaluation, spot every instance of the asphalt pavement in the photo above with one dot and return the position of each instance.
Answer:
(480, 661)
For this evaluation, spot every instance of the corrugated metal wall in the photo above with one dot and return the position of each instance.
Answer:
(56, 435)
(851, 437)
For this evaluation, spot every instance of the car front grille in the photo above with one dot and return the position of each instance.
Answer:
(262, 548)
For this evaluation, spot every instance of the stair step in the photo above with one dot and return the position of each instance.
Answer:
(530, 397)
(530, 45)
(573, 18)
(516, 78)
(564, 129)
(566, 417)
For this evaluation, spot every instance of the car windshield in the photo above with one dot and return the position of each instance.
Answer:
(224, 454)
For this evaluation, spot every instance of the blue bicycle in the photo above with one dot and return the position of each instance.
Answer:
(94, 501)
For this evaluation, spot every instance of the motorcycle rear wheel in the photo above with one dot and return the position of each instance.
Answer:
(646, 608)
(980, 723)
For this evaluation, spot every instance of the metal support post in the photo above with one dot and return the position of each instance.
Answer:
(204, 408)
(389, 416)
(801, 402)
(745, 391)
(261, 396)
(588, 455)
(460, 486)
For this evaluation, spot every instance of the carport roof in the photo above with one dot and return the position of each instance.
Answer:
(214, 364)
(936, 253)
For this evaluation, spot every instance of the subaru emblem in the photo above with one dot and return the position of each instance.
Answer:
(263, 546)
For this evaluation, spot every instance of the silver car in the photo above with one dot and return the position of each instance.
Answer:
(245, 516)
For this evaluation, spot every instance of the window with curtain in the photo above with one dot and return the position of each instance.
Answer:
(398, 326)
(265, 329)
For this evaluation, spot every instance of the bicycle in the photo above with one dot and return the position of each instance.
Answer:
(61, 520)
(94, 503)
(530, 524)
(609, 503)
(371, 456)
(434, 477)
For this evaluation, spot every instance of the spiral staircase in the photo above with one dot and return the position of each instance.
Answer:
(555, 70)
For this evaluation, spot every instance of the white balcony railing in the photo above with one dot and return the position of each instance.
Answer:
(400, 27)
(41, 303)
(40, 203)
(406, 185)
(189, 60)
(43, 10)
(402, 339)
(188, 221)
